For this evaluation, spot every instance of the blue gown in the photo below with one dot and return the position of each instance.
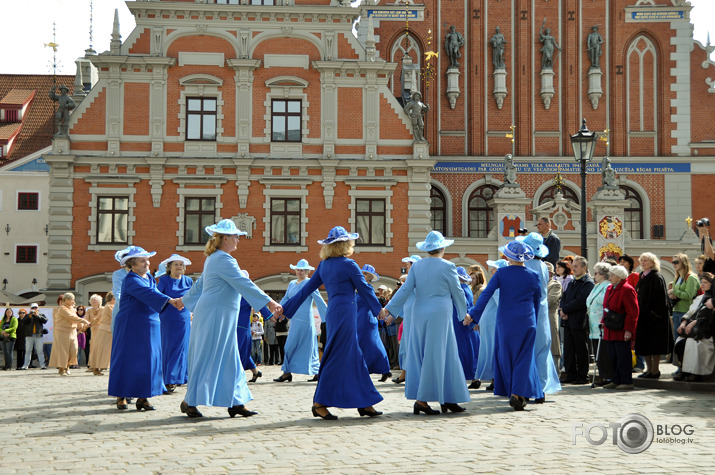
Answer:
(301, 346)
(548, 375)
(514, 362)
(433, 370)
(344, 380)
(118, 277)
(243, 333)
(487, 327)
(175, 329)
(136, 347)
(216, 376)
(467, 338)
(369, 339)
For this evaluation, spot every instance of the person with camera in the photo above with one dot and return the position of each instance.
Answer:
(694, 346)
(620, 318)
(33, 323)
(706, 244)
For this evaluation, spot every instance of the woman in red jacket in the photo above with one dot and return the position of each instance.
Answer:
(621, 299)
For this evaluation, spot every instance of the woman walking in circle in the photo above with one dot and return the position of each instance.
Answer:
(344, 378)
(301, 347)
(368, 334)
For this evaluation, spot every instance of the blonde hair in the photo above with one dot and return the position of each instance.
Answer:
(109, 296)
(67, 296)
(214, 243)
(338, 249)
(94, 298)
(476, 270)
(653, 258)
(685, 262)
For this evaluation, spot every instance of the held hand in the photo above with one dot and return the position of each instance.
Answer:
(177, 303)
(690, 326)
(627, 336)
(476, 327)
(389, 320)
(383, 314)
(275, 307)
(467, 320)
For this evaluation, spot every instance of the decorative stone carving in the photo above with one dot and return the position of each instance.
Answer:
(594, 87)
(453, 42)
(65, 104)
(608, 175)
(509, 171)
(547, 87)
(245, 223)
(500, 90)
(497, 43)
(453, 86)
(593, 45)
(549, 49)
(415, 109)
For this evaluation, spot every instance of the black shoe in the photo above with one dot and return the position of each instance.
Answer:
(580, 381)
(21, 368)
(255, 377)
(398, 380)
(365, 412)
(680, 376)
(144, 404)
(130, 400)
(190, 411)
(476, 384)
(314, 379)
(490, 387)
(540, 400)
(328, 416)
(517, 403)
(417, 408)
(284, 377)
(385, 377)
(652, 375)
(122, 405)
(240, 410)
(170, 388)
(644, 374)
(449, 406)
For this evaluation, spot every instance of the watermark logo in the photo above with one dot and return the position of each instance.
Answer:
(633, 433)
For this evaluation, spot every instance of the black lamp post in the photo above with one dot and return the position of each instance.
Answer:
(583, 143)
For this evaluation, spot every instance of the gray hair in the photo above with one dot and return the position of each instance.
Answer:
(582, 260)
(95, 298)
(67, 296)
(602, 268)
(653, 258)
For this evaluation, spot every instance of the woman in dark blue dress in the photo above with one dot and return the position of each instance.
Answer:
(467, 337)
(175, 324)
(243, 335)
(344, 380)
(368, 334)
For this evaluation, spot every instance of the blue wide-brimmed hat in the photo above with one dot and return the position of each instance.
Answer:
(498, 264)
(434, 240)
(339, 233)
(413, 258)
(536, 242)
(225, 226)
(161, 270)
(119, 254)
(368, 269)
(463, 275)
(302, 265)
(135, 251)
(517, 251)
(175, 257)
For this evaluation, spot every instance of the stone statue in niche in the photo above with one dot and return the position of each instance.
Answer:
(65, 104)
(509, 171)
(608, 175)
(593, 46)
(497, 42)
(453, 42)
(548, 50)
(416, 109)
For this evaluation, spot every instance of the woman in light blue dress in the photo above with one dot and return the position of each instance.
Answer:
(216, 376)
(368, 334)
(548, 375)
(175, 324)
(433, 370)
(487, 327)
(301, 347)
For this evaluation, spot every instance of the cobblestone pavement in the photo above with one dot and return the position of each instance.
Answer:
(69, 424)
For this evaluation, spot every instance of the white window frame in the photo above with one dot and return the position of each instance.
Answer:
(202, 86)
(385, 194)
(184, 193)
(302, 194)
(96, 192)
(286, 88)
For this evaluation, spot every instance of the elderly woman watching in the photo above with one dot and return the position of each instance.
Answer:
(64, 344)
(594, 303)
(694, 346)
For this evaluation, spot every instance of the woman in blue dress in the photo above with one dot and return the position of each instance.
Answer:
(467, 336)
(301, 347)
(515, 373)
(368, 334)
(487, 327)
(548, 375)
(216, 376)
(405, 312)
(136, 347)
(175, 324)
(344, 380)
(244, 337)
(433, 370)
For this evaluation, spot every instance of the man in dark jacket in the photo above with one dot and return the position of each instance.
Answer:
(574, 319)
(551, 240)
(33, 323)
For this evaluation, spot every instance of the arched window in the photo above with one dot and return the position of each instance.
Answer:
(481, 215)
(633, 214)
(438, 211)
(405, 45)
(550, 193)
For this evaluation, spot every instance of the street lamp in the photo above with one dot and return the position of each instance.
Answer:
(583, 143)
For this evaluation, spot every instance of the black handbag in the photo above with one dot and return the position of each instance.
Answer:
(614, 321)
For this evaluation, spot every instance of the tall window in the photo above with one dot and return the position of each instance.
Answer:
(200, 118)
(633, 213)
(370, 217)
(26, 255)
(286, 120)
(227, 2)
(262, 2)
(438, 210)
(28, 201)
(550, 193)
(481, 215)
(112, 219)
(198, 213)
(285, 221)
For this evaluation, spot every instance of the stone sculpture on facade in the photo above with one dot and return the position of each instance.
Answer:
(509, 171)
(548, 50)
(608, 175)
(416, 109)
(453, 42)
(497, 43)
(65, 104)
(593, 46)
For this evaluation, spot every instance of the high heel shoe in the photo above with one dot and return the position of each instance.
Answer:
(475, 384)
(372, 413)
(517, 403)
(314, 379)
(122, 403)
(284, 377)
(490, 387)
(241, 411)
(417, 408)
(190, 411)
(385, 377)
(144, 404)
(255, 377)
(398, 380)
(450, 406)
(328, 416)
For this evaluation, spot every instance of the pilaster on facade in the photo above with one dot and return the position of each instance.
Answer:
(418, 207)
(683, 42)
(59, 241)
(244, 95)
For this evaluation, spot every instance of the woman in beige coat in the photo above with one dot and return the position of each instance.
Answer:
(94, 313)
(64, 344)
(102, 337)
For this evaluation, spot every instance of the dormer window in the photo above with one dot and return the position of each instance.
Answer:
(9, 115)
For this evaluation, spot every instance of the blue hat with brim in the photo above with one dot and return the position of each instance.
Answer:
(517, 251)
(119, 254)
(434, 240)
(225, 226)
(463, 275)
(498, 264)
(339, 233)
(161, 270)
(536, 242)
(135, 251)
(302, 265)
(368, 269)
(175, 257)
(413, 258)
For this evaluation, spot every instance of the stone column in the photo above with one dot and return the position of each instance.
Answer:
(244, 95)
(419, 201)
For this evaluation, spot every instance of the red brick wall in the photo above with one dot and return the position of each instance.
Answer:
(93, 121)
(136, 108)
